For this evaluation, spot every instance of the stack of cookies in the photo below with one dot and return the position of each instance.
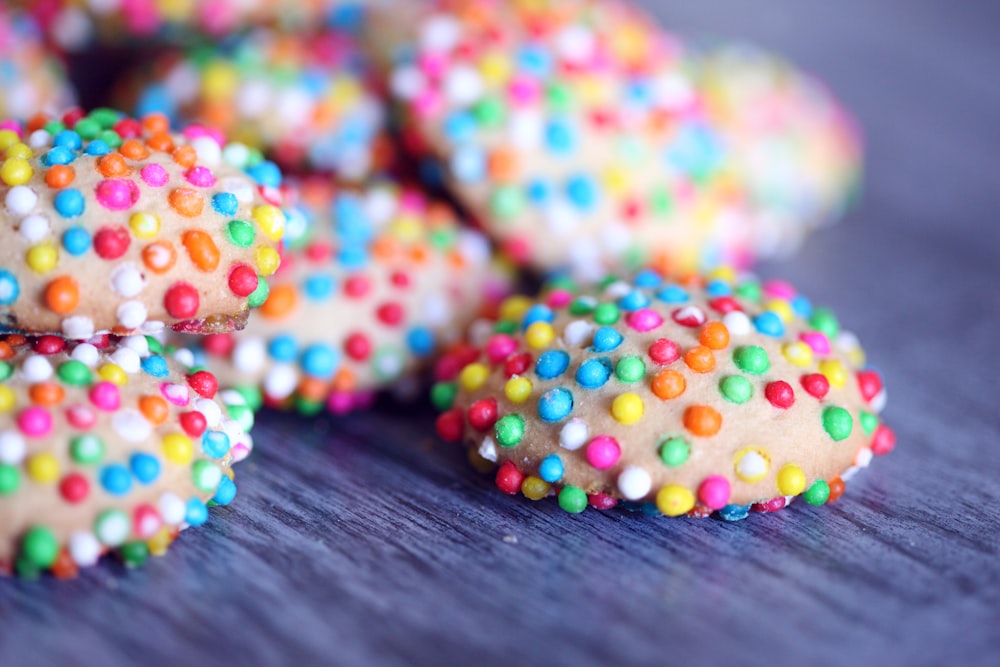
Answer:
(543, 211)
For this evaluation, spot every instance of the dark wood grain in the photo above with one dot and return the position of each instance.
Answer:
(362, 541)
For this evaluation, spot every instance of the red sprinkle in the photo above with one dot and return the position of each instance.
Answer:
(883, 440)
(193, 423)
(724, 304)
(772, 505)
(870, 384)
(483, 414)
(780, 394)
(219, 345)
(664, 351)
(816, 384)
(450, 424)
(74, 487)
(517, 364)
(242, 280)
(356, 286)
(49, 345)
(509, 478)
(390, 314)
(601, 501)
(357, 346)
(204, 383)
(181, 301)
(111, 242)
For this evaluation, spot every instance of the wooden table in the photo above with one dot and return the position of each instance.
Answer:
(362, 541)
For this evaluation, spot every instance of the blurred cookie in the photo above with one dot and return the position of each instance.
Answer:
(114, 224)
(715, 394)
(31, 78)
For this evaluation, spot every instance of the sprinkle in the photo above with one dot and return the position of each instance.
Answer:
(674, 500)
(627, 408)
(791, 480)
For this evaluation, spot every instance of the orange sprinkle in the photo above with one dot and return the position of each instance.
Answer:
(154, 409)
(37, 122)
(46, 393)
(837, 488)
(312, 389)
(668, 384)
(419, 254)
(344, 380)
(133, 150)
(456, 259)
(59, 176)
(385, 248)
(702, 420)
(17, 340)
(201, 249)
(218, 114)
(714, 336)
(280, 302)
(62, 295)
(185, 156)
(6, 351)
(160, 141)
(699, 359)
(502, 165)
(186, 201)
(64, 567)
(155, 123)
(111, 165)
(159, 256)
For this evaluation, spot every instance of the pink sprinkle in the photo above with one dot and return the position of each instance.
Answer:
(81, 417)
(499, 347)
(239, 451)
(601, 501)
(141, 16)
(778, 289)
(11, 125)
(271, 195)
(154, 175)
(177, 394)
(714, 492)
(559, 298)
(433, 64)
(117, 194)
(105, 396)
(146, 521)
(411, 200)
(201, 177)
(644, 319)
(34, 422)
(603, 452)
(192, 132)
(524, 91)
(428, 104)
(816, 340)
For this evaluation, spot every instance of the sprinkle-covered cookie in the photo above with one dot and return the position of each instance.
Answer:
(582, 137)
(688, 398)
(31, 79)
(111, 223)
(371, 284)
(106, 446)
(304, 99)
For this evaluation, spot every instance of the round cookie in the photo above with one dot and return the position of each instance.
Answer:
(112, 224)
(709, 395)
(371, 284)
(305, 99)
(105, 446)
(581, 137)
(31, 79)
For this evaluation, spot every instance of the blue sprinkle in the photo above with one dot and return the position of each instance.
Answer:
(58, 155)
(97, 147)
(647, 278)
(460, 126)
(353, 257)
(538, 191)
(320, 360)
(155, 365)
(769, 324)
(265, 173)
(534, 60)
(551, 364)
(555, 404)
(197, 512)
(318, 287)
(225, 493)
(593, 373)
(801, 306)
(348, 18)
(116, 479)
(9, 288)
(215, 444)
(156, 99)
(69, 203)
(283, 348)
(145, 467)
(606, 339)
(672, 294)
(68, 139)
(225, 203)
(468, 164)
(551, 468)
(352, 222)
(734, 512)
(560, 136)
(634, 300)
(582, 191)
(537, 313)
(76, 240)
(420, 341)
(719, 288)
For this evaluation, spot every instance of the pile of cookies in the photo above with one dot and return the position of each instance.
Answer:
(295, 209)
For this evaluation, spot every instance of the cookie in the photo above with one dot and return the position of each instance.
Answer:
(372, 283)
(106, 445)
(305, 99)
(113, 224)
(581, 136)
(711, 395)
(31, 79)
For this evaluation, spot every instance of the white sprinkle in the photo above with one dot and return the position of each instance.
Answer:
(407, 82)
(578, 333)
(127, 280)
(752, 466)
(36, 368)
(86, 354)
(131, 425)
(634, 483)
(281, 381)
(152, 327)
(440, 33)
(39, 139)
(737, 322)
(84, 548)
(127, 359)
(137, 343)
(20, 200)
(575, 43)
(436, 310)
(185, 357)
(463, 86)
(249, 355)
(525, 129)
(172, 509)
(208, 150)
(12, 447)
(34, 228)
(488, 449)
(78, 327)
(209, 409)
(573, 434)
(114, 530)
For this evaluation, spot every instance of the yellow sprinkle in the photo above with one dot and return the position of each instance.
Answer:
(478, 463)
(834, 372)
(267, 259)
(15, 171)
(473, 376)
(7, 139)
(797, 353)
(539, 334)
(615, 180)
(178, 448)
(724, 273)
(751, 464)
(513, 308)
(8, 399)
(781, 308)
(495, 68)
(113, 373)
(674, 500)
(43, 468)
(518, 389)
(174, 11)
(627, 408)
(42, 258)
(219, 81)
(144, 225)
(791, 480)
(271, 220)
(159, 542)
(534, 488)
(19, 150)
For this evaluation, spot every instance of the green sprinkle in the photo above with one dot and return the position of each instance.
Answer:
(630, 369)
(104, 117)
(674, 451)
(111, 138)
(6, 370)
(817, 494)
(205, 475)
(509, 430)
(572, 499)
(507, 202)
(155, 346)
(134, 554)
(87, 128)
(307, 407)
(660, 202)
(252, 395)
(606, 313)
(54, 127)
(751, 359)
(824, 320)
(837, 422)
(443, 395)
(40, 547)
(558, 97)
(869, 422)
(74, 373)
(10, 479)
(581, 306)
(736, 389)
(87, 449)
(490, 112)
(505, 327)
(242, 414)
(750, 290)
(240, 233)
(259, 295)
